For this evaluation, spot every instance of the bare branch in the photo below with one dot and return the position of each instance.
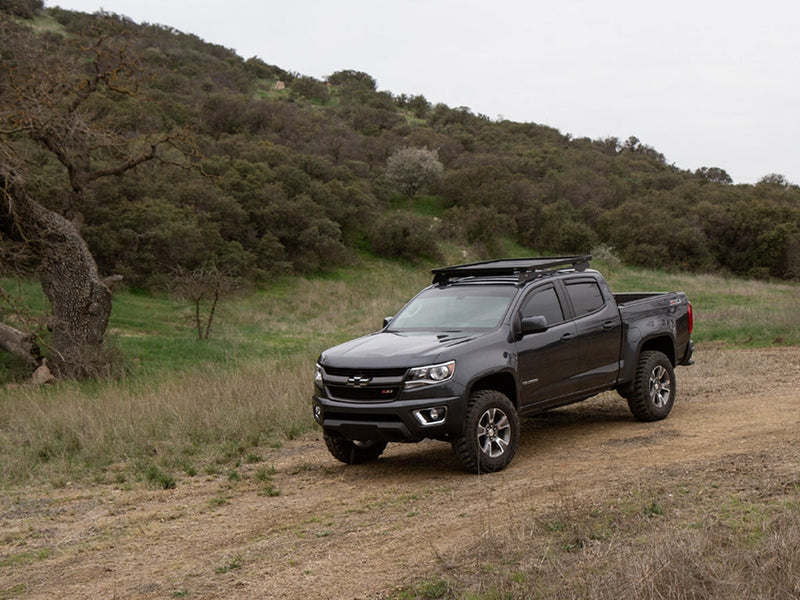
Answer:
(129, 164)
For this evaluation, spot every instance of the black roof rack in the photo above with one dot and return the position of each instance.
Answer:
(524, 268)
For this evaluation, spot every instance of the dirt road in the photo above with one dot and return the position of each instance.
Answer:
(316, 529)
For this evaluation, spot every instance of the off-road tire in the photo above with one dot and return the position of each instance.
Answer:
(654, 387)
(491, 433)
(353, 452)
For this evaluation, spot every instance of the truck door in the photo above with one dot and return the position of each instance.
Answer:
(599, 330)
(548, 360)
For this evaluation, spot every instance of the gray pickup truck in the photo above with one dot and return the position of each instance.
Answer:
(489, 342)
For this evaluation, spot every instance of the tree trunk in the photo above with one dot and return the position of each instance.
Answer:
(81, 302)
(19, 344)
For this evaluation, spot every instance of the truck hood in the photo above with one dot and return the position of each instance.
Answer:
(396, 349)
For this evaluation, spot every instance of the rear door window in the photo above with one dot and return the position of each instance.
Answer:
(585, 296)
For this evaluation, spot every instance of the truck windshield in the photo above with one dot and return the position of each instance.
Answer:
(455, 308)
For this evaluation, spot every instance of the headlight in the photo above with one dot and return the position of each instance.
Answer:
(421, 376)
(318, 376)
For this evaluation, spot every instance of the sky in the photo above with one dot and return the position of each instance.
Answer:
(708, 83)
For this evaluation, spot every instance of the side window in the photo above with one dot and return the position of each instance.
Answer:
(586, 297)
(544, 303)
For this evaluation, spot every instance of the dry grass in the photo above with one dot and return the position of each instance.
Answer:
(728, 529)
(716, 529)
(704, 505)
(188, 423)
(247, 388)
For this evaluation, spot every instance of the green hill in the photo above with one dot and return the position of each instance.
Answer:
(265, 171)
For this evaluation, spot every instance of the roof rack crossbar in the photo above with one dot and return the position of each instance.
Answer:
(524, 268)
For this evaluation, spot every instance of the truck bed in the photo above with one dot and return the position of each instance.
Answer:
(629, 297)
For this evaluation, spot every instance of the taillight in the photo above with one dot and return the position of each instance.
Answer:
(691, 318)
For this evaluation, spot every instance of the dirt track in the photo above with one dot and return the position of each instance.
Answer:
(355, 532)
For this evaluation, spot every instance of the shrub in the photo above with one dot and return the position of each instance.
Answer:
(350, 79)
(408, 237)
(310, 89)
(412, 169)
(479, 225)
(558, 227)
(25, 9)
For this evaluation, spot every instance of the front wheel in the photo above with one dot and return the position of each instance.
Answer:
(654, 387)
(491, 433)
(353, 452)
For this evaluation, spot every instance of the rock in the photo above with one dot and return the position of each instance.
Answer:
(42, 376)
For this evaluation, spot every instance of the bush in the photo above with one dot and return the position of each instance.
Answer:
(479, 225)
(310, 89)
(309, 239)
(25, 9)
(412, 169)
(408, 237)
(354, 80)
(558, 227)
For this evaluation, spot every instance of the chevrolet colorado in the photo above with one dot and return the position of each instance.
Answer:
(489, 342)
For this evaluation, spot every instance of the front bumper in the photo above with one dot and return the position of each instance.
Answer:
(400, 420)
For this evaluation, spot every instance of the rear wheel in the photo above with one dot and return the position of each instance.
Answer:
(353, 452)
(491, 433)
(654, 387)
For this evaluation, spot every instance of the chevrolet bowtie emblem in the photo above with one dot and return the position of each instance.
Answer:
(358, 381)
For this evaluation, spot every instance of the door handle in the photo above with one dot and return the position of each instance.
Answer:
(609, 325)
(567, 337)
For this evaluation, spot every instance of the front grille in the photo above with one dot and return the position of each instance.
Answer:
(368, 393)
(337, 372)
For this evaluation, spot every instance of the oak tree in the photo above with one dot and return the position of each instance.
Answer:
(61, 99)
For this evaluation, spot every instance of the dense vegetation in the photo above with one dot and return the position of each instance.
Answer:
(267, 171)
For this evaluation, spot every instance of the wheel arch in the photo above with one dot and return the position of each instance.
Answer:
(664, 344)
(503, 382)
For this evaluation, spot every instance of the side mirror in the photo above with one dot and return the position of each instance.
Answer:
(386, 321)
(534, 325)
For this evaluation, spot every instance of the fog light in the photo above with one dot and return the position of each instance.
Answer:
(318, 413)
(431, 416)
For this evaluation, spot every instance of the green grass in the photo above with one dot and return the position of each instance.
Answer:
(294, 316)
(734, 312)
(426, 206)
(191, 406)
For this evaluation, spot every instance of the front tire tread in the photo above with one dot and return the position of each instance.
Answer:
(470, 448)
